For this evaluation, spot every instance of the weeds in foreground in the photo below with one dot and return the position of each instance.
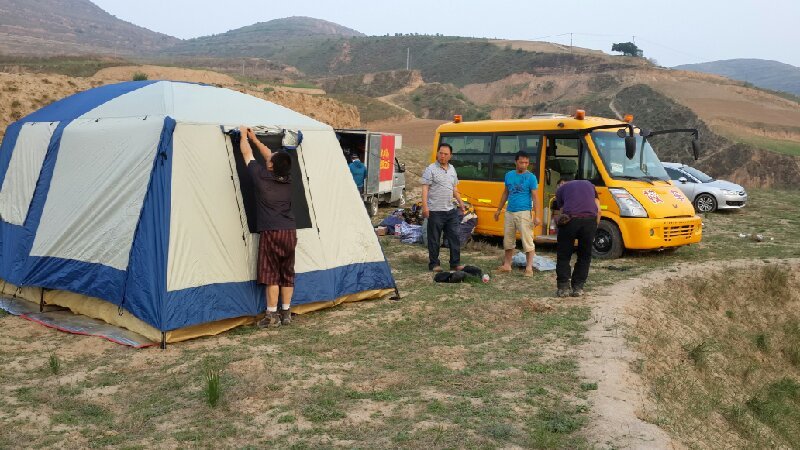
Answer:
(775, 281)
(54, 364)
(699, 352)
(139, 76)
(212, 390)
(762, 342)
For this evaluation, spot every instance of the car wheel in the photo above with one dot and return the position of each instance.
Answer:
(607, 241)
(400, 201)
(372, 206)
(705, 203)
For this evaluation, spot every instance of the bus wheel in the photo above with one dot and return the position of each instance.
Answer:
(372, 206)
(607, 241)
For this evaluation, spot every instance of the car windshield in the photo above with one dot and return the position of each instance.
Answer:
(645, 164)
(701, 177)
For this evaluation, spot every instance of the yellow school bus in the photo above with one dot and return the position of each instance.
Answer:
(641, 209)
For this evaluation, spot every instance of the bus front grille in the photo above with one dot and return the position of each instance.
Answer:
(678, 232)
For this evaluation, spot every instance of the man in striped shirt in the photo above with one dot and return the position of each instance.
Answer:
(439, 183)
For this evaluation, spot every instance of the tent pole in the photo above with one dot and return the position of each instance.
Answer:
(41, 301)
(163, 340)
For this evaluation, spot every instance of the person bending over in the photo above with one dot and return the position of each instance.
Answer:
(580, 215)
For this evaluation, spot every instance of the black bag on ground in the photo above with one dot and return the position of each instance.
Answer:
(450, 277)
(473, 271)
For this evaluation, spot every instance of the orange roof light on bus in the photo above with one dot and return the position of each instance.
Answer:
(457, 118)
(628, 118)
(580, 114)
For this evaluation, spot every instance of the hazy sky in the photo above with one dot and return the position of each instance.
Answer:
(673, 32)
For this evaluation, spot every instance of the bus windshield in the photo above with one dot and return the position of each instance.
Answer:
(645, 165)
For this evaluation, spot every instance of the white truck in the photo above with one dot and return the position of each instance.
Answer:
(385, 182)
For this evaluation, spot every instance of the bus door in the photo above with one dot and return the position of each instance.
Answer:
(566, 156)
(506, 146)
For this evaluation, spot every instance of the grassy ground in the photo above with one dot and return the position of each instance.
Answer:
(370, 109)
(776, 145)
(469, 365)
(721, 354)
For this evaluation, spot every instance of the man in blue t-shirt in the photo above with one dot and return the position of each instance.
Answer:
(522, 213)
(359, 172)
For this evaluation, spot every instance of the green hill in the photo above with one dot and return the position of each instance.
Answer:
(273, 39)
(443, 59)
(71, 27)
(763, 73)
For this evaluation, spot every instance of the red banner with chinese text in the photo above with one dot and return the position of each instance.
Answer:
(387, 158)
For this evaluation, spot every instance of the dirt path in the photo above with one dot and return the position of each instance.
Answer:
(621, 396)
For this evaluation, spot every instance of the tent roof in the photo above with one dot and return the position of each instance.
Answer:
(184, 102)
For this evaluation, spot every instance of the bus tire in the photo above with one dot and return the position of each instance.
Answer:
(607, 241)
(372, 206)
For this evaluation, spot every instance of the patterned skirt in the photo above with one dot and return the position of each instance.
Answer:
(276, 257)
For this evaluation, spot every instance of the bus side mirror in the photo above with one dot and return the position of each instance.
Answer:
(630, 146)
(401, 168)
(547, 176)
(696, 149)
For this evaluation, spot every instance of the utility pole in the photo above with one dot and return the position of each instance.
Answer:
(242, 67)
(570, 42)
(408, 57)
(634, 40)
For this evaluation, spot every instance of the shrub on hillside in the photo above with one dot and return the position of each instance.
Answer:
(139, 76)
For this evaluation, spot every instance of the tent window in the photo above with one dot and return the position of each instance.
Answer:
(299, 203)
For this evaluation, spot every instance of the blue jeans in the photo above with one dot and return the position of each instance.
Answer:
(446, 221)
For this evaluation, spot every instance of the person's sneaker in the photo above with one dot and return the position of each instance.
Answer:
(576, 292)
(436, 269)
(562, 292)
(271, 320)
(286, 316)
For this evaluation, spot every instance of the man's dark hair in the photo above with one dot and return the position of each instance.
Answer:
(521, 154)
(565, 178)
(281, 164)
(449, 147)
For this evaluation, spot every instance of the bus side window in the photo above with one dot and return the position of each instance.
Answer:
(471, 155)
(506, 148)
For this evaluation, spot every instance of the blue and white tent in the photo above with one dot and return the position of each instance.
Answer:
(125, 198)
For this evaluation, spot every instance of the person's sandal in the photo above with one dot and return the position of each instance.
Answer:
(528, 273)
(502, 269)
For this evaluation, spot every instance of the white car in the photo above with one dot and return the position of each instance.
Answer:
(706, 193)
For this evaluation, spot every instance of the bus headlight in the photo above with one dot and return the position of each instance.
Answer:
(628, 205)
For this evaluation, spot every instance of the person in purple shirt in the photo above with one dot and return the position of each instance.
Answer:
(580, 215)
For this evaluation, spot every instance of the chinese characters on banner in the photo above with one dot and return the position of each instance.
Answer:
(387, 158)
